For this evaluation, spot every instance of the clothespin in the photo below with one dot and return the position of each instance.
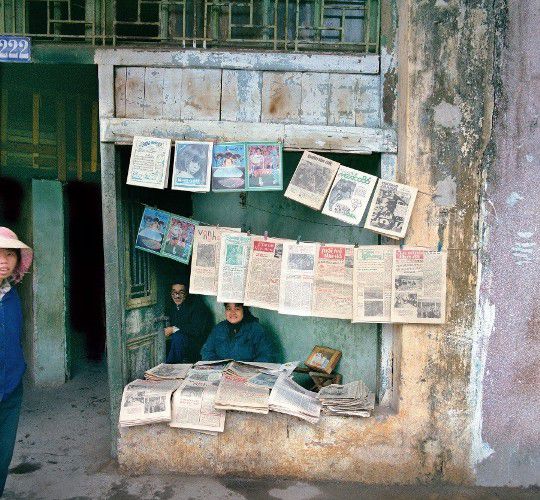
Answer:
(249, 232)
(298, 240)
(265, 235)
(356, 245)
(323, 243)
(401, 245)
(439, 246)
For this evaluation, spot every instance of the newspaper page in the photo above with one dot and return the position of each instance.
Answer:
(419, 286)
(146, 402)
(290, 398)
(349, 195)
(311, 180)
(241, 396)
(149, 162)
(193, 407)
(391, 208)
(264, 272)
(205, 261)
(166, 371)
(372, 283)
(297, 278)
(333, 290)
(233, 264)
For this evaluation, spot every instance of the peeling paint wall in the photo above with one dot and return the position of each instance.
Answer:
(506, 448)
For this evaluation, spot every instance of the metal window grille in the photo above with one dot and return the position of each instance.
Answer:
(294, 25)
(141, 286)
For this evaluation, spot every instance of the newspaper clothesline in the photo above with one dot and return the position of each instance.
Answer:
(198, 400)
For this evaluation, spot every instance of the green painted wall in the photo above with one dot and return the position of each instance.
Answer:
(281, 217)
(49, 334)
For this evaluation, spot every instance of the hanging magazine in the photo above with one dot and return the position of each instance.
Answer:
(264, 166)
(152, 230)
(312, 180)
(205, 262)
(264, 272)
(419, 286)
(179, 239)
(192, 164)
(149, 162)
(233, 263)
(349, 195)
(391, 209)
(229, 167)
(372, 283)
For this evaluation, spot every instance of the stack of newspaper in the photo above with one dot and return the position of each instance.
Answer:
(290, 398)
(353, 399)
(165, 371)
(147, 402)
(207, 371)
(240, 395)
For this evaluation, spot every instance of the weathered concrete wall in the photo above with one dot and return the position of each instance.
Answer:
(445, 102)
(507, 444)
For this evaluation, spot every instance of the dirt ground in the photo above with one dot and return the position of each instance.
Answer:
(63, 452)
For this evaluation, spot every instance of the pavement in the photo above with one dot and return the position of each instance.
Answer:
(63, 452)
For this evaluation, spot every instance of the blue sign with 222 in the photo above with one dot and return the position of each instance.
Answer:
(14, 48)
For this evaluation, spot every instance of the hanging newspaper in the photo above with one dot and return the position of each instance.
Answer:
(205, 262)
(233, 263)
(193, 407)
(192, 164)
(149, 162)
(312, 180)
(147, 402)
(297, 277)
(264, 271)
(419, 286)
(372, 284)
(290, 398)
(333, 288)
(391, 208)
(349, 195)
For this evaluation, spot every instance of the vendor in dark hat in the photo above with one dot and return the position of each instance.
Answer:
(189, 321)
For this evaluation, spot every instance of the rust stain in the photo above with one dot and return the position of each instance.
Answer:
(276, 104)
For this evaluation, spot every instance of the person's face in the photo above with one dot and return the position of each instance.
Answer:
(234, 313)
(178, 294)
(8, 262)
(193, 167)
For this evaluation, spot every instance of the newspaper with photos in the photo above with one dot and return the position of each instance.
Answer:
(147, 402)
(349, 195)
(192, 166)
(233, 264)
(372, 283)
(250, 373)
(333, 288)
(353, 399)
(297, 278)
(391, 209)
(149, 162)
(264, 272)
(205, 261)
(166, 371)
(290, 398)
(193, 407)
(239, 395)
(311, 180)
(419, 286)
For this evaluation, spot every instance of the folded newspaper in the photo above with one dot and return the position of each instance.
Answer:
(147, 402)
(193, 407)
(353, 399)
(166, 371)
(290, 398)
(237, 394)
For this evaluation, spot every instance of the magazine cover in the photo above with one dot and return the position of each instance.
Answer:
(152, 230)
(192, 164)
(179, 239)
(149, 162)
(229, 167)
(264, 166)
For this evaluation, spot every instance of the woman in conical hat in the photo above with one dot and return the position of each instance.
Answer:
(15, 260)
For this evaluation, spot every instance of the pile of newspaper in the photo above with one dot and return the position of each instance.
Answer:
(167, 372)
(147, 402)
(290, 398)
(353, 399)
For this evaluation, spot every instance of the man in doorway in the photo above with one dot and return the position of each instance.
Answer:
(189, 321)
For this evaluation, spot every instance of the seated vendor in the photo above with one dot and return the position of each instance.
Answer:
(189, 321)
(239, 337)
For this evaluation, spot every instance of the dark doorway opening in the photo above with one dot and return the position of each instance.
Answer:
(85, 268)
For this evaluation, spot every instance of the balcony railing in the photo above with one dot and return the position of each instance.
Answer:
(292, 25)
